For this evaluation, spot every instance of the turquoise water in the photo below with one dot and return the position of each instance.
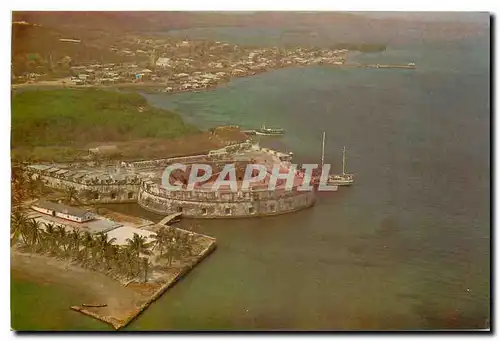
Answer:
(406, 247)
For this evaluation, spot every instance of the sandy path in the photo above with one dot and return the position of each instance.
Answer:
(93, 287)
(123, 303)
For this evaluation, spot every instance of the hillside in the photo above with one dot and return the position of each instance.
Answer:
(94, 24)
(39, 49)
(90, 23)
(76, 117)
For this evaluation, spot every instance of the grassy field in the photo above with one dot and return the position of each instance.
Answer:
(57, 122)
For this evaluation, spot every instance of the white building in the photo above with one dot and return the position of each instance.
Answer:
(62, 211)
(163, 62)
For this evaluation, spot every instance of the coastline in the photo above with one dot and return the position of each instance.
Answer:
(153, 87)
(160, 88)
(124, 302)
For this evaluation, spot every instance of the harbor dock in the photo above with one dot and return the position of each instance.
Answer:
(379, 66)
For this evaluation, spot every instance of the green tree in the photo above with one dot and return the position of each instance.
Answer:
(104, 246)
(50, 237)
(18, 227)
(71, 195)
(88, 243)
(62, 240)
(160, 240)
(74, 241)
(146, 265)
(34, 234)
(138, 246)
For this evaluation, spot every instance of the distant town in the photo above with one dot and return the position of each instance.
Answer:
(171, 64)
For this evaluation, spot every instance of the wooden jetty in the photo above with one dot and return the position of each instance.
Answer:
(91, 305)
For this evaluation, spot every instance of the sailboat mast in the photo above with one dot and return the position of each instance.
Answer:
(323, 150)
(343, 161)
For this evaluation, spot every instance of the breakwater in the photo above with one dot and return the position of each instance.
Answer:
(378, 66)
(120, 322)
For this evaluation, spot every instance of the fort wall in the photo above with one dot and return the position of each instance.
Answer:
(206, 204)
(129, 186)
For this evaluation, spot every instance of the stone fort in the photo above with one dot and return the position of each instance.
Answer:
(140, 182)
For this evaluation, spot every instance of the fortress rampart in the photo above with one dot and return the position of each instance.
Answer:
(134, 182)
(217, 204)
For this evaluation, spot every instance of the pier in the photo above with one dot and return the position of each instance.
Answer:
(170, 218)
(379, 66)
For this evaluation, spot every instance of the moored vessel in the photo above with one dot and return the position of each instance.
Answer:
(343, 179)
(269, 131)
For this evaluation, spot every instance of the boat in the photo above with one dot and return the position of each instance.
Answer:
(269, 131)
(94, 305)
(343, 179)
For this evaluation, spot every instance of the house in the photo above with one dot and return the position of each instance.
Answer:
(62, 211)
(146, 73)
(238, 72)
(163, 62)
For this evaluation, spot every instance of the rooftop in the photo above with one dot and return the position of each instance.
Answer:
(74, 211)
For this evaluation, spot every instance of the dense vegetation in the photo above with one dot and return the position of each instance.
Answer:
(75, 117)
(98, 252)
(136, 259)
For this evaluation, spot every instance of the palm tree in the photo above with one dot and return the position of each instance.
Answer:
(34, 233)
(113, 256)
(187, 244)
(171, 252)
(74, 239)
(62, 239)
(146, 265)
(173, 245)
(88, 242)
(50, 236)
(71, 195)
(126, 261)
(104, 246)
(138, 246)
(160, 240)
(18, 224)
(18, 190)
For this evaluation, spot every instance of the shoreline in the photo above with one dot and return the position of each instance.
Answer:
(155, 87)
(157, 294)
(123, 302)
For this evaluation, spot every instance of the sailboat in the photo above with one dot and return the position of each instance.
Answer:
(343, 179)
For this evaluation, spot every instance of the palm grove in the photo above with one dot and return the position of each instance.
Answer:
(98, 252)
